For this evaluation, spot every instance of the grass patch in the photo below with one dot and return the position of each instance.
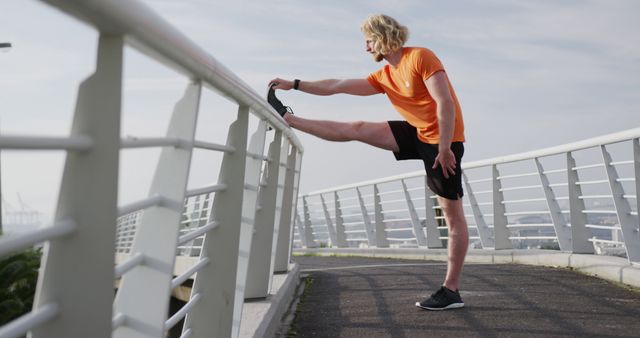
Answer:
(308, 283)
(305, 254)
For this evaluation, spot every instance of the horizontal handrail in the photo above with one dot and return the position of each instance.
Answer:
(150, 34)
(213, 146)
(529, 225)
(136, 142)
(29, 321)
(206, 190)
(185, 275)
(259, 156)
(79, 143)
(516, 176)
(569, 147)
(154, 201)
(199, 232)
(9, 244)
(561, 149)
(171, 322)
(135, 260)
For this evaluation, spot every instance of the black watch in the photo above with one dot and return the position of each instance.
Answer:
(296, 84)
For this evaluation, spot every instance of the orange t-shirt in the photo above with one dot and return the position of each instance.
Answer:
(405, 88)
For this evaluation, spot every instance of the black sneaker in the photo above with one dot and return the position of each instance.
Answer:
(276, 104)
(443, 299)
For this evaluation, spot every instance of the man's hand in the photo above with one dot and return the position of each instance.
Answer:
(281, 84)
(447, 161)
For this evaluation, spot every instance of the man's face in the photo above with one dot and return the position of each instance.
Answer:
(369, 48)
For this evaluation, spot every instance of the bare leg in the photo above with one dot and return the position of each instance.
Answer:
(458, 240)
(377, 134)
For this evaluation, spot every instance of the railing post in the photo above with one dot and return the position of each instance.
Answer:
(500, 230)
(433, 233)
(259, 271)
(144, 305)
(305, 236)
(77, 270)
(579, 233)
(296, 190)
(486, 238)
(415, 220)
(253, 167)
(626, 220)
(216, 281)
(327, 217)
(340, 234)
(381, 234)
(282, 176)
(368, 227)
(563, 232)
(308, 226)
(636, 166)
(283, 239)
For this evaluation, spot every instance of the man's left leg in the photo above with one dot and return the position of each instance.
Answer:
(458, 240)
(448, 296)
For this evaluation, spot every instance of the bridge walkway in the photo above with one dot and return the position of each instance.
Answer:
(374, 297)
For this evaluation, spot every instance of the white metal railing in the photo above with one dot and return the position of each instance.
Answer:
(216, 223)
(579, 197)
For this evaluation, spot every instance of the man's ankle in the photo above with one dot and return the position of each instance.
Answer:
(451, 287)
(288, 118)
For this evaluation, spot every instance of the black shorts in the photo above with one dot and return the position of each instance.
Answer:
(412, 148)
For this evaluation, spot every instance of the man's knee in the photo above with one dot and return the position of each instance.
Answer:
(357, 130)
(454, 215)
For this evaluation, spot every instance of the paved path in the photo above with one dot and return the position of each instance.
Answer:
(372, 297)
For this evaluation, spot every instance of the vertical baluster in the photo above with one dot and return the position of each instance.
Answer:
(216, 282)
(253, 167)
(484, 232)
(282, 175)
(381, 234)
(340, 234)
(77, 270)
(415, 220)
(308, 226)
(563, 232)
(327, 217)
(283, 243)
(579, 233)
(636, 166)
(501, 232)
(296, 188)
(259, 271)
(623, 209)
(306, 238)
(368, 227)
(433, 233)
(146, 305)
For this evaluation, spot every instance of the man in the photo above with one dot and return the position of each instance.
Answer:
(415, 82)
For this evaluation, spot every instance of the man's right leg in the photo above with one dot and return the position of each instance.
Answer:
(377, 134)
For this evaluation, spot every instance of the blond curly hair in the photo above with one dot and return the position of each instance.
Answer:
(386, 33)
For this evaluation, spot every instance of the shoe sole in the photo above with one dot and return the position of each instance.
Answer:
(448, 307)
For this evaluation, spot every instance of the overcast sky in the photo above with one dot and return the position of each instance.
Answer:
(529, 74)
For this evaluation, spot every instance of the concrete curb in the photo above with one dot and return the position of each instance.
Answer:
(262, 318)
(615, 269)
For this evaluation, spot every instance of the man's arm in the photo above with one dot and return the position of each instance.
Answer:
(438, 88)
(360, 87)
